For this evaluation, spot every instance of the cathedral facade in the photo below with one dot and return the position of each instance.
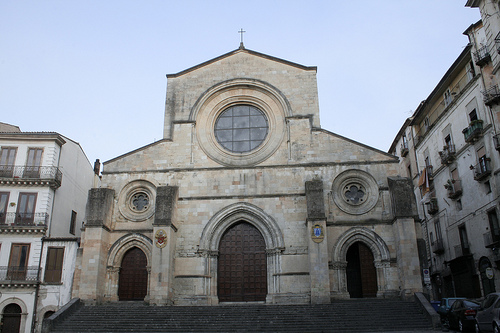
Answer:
(247, 199)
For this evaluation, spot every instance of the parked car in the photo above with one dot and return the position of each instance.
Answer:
(487, 318)
(462, 314)
(445, 305)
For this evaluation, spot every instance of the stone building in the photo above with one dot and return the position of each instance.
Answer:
(246, 198)
(44, 180)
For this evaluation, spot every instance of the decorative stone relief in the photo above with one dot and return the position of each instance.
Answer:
(355, 192)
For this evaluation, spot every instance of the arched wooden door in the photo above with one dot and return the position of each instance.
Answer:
(361, 272)
(11, 318)
(242, 265)
(133, 280)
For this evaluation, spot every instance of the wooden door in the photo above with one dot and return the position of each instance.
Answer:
(361, 272)
(26, 209)
(11, 318)
(32, 169)
(4, 199)
(242, 266)
(133, 280)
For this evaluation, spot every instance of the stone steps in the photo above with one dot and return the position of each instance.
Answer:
(340, 316)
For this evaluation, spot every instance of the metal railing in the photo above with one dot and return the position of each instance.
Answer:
(473, 131)
(447, 154)
(482, 169)
(482, 56)
(31, 172)
(19, 273)
(24, 219)
(454, 187)
(491, 95)
(437, 246)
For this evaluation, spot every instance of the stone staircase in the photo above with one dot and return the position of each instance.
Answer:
(366, 315)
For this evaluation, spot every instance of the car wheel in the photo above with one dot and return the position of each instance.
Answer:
(495, 328)
(476, 328)
(460, 325)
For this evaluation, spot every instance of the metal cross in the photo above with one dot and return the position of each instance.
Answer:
(241, 32)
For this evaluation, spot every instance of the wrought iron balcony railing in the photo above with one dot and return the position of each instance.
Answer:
(473, 131)
(482, 56)
(491, 95)
(19, 274)
(447, 154)
(483, 169)
(24, 219)
(496, 141)
(15, 173)
(404, 149)
(438, 246)
(454, 187)
(432, 207)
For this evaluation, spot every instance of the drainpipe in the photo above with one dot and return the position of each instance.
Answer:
(35, 302)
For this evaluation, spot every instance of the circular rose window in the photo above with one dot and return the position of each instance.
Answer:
(241, 128)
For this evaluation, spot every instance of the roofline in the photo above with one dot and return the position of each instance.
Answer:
(450, 70)
(472, 3)
(258, 54)
(59, 138)
(473, 25)
(399, 135)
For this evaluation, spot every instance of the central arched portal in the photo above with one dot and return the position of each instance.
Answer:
(11, 319)
(242, 265)
(133, 280)
(360, 271)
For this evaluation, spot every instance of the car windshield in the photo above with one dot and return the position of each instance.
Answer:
(451, 301)
(471, 304)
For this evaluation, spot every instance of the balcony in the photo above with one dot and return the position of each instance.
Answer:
(438, 246)
(18, 275)
(482, 56)
(482, 170)
(24, 220)
(454, 188)
(34, 176)
(461, 250)
(491, 239)
(474, 131)
(432, 207)
(448, 154)
(491, 96)
(404, 150)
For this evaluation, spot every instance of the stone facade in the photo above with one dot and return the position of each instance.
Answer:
(313, 196)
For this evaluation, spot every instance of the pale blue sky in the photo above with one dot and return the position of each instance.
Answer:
(95, 70)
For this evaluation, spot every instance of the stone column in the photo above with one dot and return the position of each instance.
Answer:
(405, 211)
(162, 256)
(93, 282)
(317, 243)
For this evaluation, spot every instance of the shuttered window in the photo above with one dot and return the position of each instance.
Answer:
(53, 267)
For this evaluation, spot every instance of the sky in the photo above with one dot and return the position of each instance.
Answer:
(94, 70)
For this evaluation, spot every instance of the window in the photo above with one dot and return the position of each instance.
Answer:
(483, 160)
(53, 267)
(447, 97)
(32, 169)
(447, 141)
(464, 240)
(4, 199)
(487, 186)
(494, 225)
(473, 115)
(241, 128)
(470, 71)
(7, 160)
(18, 262)
(72, 223)
(409, 171)
(437, 229)
(26, 209)
(459, 204)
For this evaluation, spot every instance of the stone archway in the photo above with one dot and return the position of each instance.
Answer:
(15, 312)
(224, 220)
(381, 261)
(115, 258)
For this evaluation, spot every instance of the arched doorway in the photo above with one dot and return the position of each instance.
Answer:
(11, 318)
(487, 276)
(133, 279)
(360, 271)
(242, 266)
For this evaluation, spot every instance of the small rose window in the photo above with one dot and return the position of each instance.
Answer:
(354, 194)
(139, 202)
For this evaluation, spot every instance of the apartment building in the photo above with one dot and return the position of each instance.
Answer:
(44, 180)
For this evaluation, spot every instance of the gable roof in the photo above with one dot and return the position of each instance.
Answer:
(242, 50)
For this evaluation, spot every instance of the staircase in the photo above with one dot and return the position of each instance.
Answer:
(367, 315)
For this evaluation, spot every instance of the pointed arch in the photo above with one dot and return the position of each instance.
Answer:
(361, 234)
(125, 243)
(237, 212)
